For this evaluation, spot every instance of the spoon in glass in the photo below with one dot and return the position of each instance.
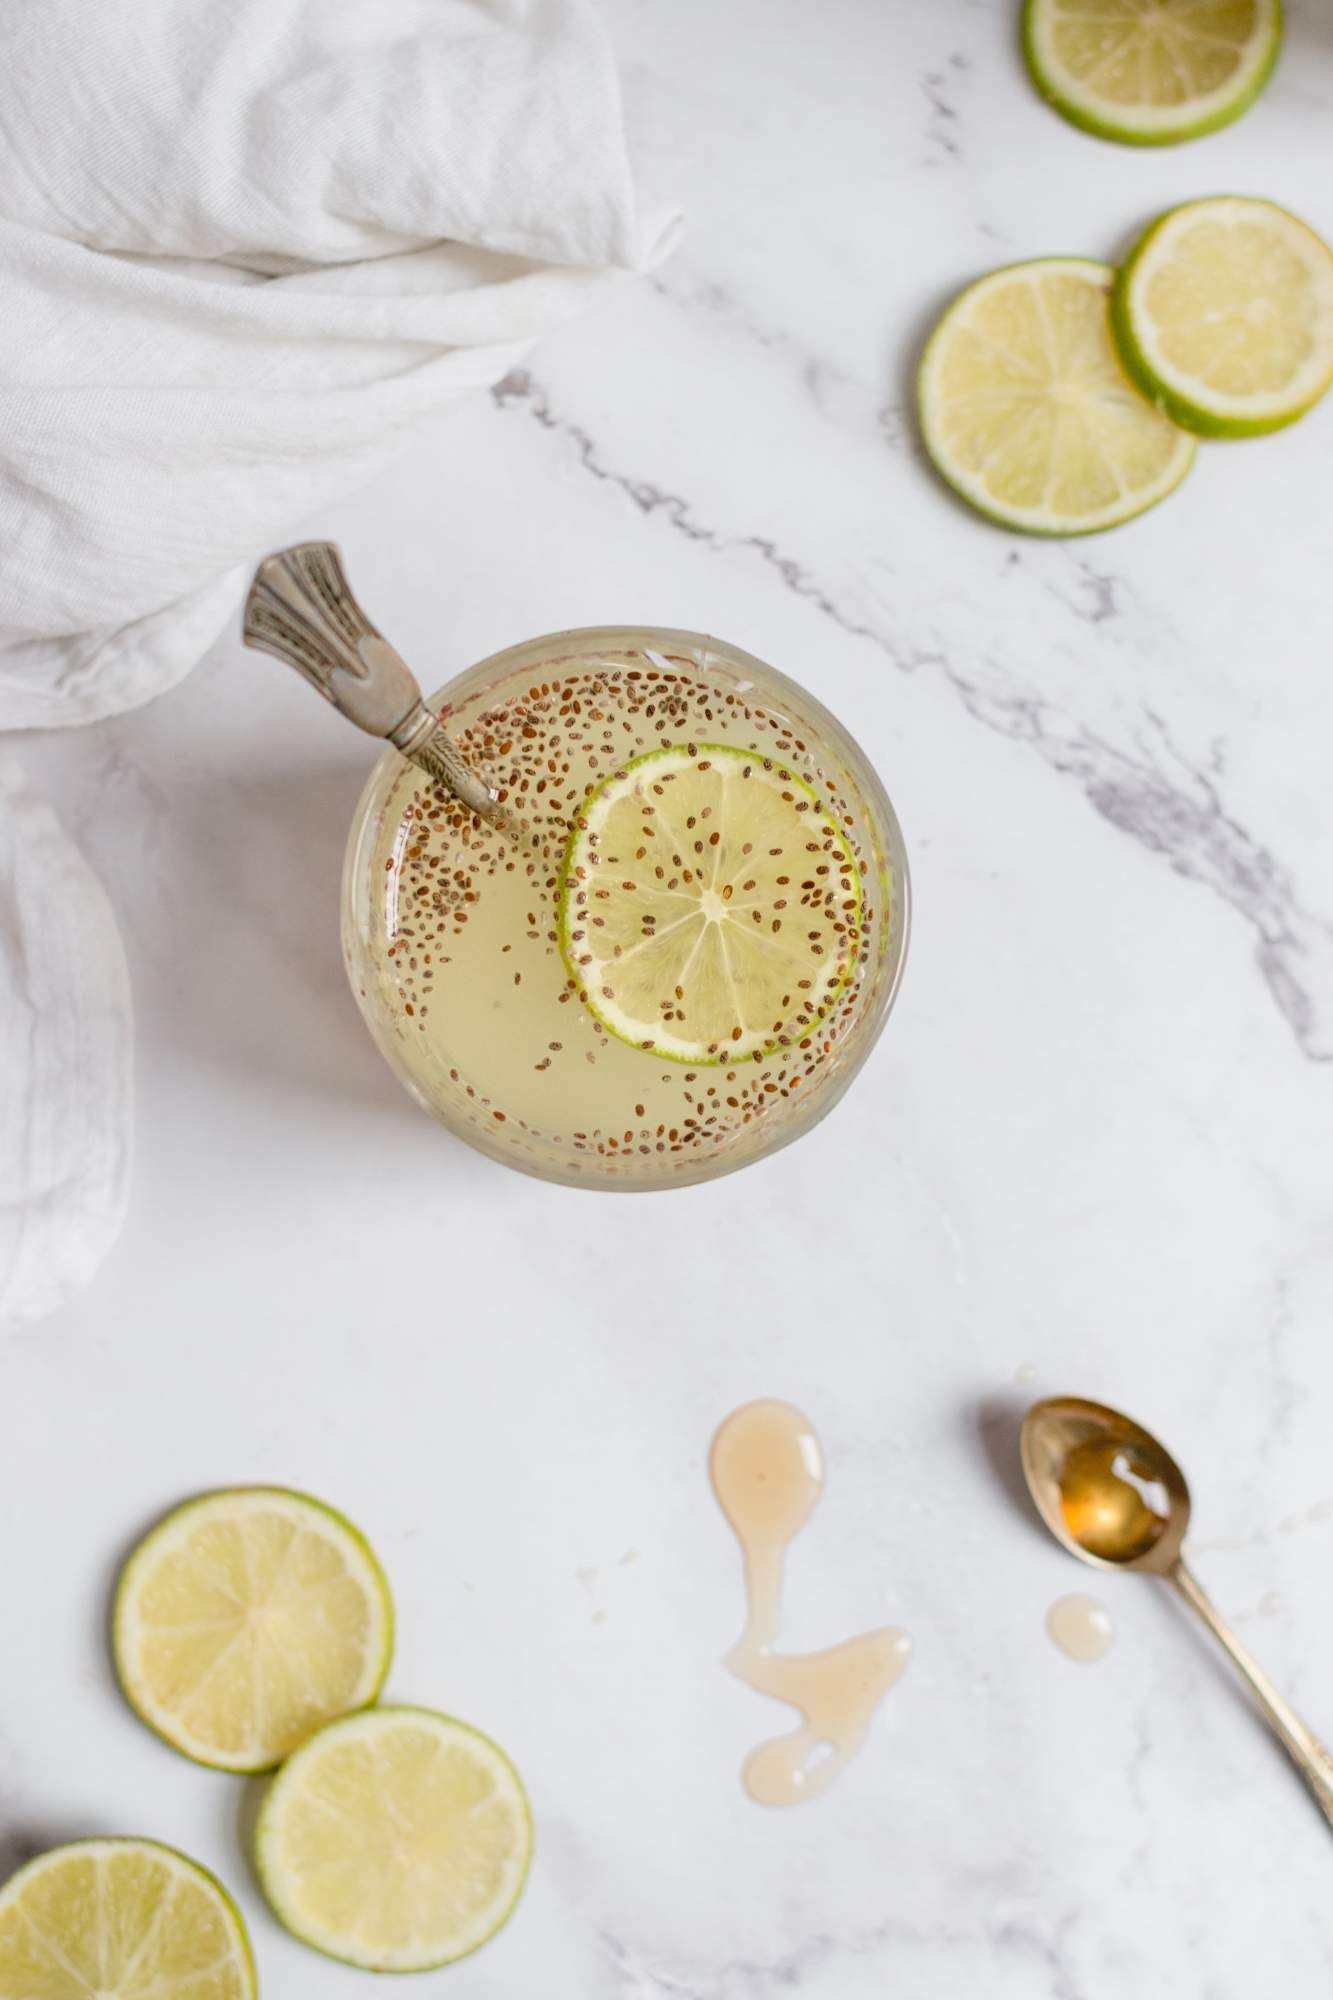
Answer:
(1114, 1497)
(301, 610)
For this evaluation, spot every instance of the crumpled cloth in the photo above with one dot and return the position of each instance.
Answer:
(65, 1052)
(247, 249)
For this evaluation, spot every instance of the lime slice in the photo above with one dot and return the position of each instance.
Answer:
(396, 1840)
(1028, 413)
(1224, 315)
(121, 1920)
(246, 1620)
(1151, 72)
(710, 904)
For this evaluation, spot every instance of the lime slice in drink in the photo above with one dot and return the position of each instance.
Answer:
(121, 1920)
(245, 1621)
(710, 904)
(1224, 315)
(1151, 72)
(1028, 413)
(397, 1840)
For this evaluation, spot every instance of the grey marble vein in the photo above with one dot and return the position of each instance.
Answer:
(1175, 810)
(943, 135)
(1097, 596)
(818, 374)
(1153, 794)
(652, 1976)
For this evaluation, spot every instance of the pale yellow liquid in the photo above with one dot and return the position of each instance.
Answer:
(464, 975)
(768, 1473)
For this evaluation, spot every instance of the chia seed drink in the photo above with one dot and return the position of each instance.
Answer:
(507, 975)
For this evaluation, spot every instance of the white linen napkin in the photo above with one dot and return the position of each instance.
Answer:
(247, 247)
(434, 182)
(65, 1040)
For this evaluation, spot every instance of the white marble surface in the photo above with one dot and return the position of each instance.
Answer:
(1092, 1152)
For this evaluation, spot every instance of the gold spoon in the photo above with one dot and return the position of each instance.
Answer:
(1116, 1498)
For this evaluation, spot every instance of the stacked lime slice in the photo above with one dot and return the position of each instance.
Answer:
(1027, 409)
(397, 1840)
(246, 1620)
(1049, 413)
(1224, 316)
(255, 1626)
(1060, 396)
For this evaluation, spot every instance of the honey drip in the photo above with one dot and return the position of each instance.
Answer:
(1080, 1627)
(768, 1472)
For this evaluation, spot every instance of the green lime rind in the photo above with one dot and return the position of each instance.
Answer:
(100, 1842)
(672, 752)
(267, 1872)
(1017, 523)
(197, 1503)
(1187, 411)
(1099, 126)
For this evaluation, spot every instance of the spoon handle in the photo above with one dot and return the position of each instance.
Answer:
(1307, 1753)
(301, 610)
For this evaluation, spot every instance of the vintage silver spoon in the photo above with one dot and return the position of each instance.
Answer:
(1114, 1497)
(300, 609)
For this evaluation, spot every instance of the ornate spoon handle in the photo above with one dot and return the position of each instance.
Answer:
(301, 610)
